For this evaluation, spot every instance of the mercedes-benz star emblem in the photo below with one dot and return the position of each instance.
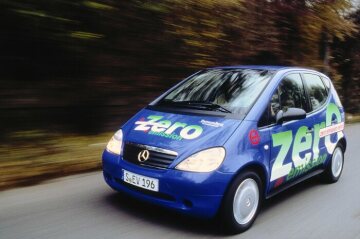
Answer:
(143, 155)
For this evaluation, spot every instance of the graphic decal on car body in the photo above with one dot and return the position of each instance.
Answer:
(254, 137)
(331, 129)
(156, 125)
(211, 123)
(302, 142)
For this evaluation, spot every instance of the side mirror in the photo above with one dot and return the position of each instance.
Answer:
(290, 114)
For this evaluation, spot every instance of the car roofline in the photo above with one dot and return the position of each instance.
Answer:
(262, 67)
(276, 68)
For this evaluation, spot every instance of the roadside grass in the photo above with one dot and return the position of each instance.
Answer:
(28, 157)
(350, 118)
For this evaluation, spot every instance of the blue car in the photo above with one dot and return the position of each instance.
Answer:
(226, 138)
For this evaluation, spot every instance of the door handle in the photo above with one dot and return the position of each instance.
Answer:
(310, 130)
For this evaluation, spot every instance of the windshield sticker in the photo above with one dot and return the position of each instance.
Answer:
(305, 146)
(211, 123)
(155, 125)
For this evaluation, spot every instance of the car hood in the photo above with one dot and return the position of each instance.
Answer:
(183, 133)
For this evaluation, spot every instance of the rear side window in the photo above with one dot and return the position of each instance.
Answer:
(316, 89)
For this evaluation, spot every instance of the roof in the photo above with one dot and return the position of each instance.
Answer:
(260, 67)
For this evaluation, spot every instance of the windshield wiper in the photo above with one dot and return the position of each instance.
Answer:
(201, 104)
(210, 105)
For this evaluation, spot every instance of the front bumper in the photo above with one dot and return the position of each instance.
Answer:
(197, 194)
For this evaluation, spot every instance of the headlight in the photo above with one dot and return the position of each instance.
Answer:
(115, 143)
(204, 161)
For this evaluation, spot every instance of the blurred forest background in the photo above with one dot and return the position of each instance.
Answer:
(81, 68)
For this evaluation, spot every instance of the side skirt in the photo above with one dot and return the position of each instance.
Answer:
(283, 188)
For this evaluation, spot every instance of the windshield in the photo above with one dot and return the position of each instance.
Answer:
(229, 91)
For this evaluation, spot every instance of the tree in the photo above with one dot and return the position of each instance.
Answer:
(347, 61)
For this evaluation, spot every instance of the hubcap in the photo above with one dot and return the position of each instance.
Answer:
(246, 201)
(337, 162)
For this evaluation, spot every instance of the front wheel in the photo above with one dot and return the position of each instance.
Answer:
(335, 166)
(242, 203)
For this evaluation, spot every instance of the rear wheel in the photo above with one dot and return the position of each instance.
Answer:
(241, 203)
(335, 166)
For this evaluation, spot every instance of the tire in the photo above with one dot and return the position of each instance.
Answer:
(241, 203)
(335, 167)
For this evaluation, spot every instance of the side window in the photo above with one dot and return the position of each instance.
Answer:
(274, 107)
(291, 92)
(317, 91)
(269, 115)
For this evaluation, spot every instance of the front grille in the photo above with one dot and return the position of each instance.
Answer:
(158, 158)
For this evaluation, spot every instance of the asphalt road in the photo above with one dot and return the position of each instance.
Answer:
(82, 206)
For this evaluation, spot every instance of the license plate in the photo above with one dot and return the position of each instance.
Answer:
(141, 181)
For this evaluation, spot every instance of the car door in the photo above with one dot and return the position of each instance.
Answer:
(291, 141)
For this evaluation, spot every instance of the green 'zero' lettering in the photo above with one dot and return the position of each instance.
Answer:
(332, 110)
(304, 141)
(191, 132)
(161, 126)
(300, 146)
(316, 149)
(284, 140)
